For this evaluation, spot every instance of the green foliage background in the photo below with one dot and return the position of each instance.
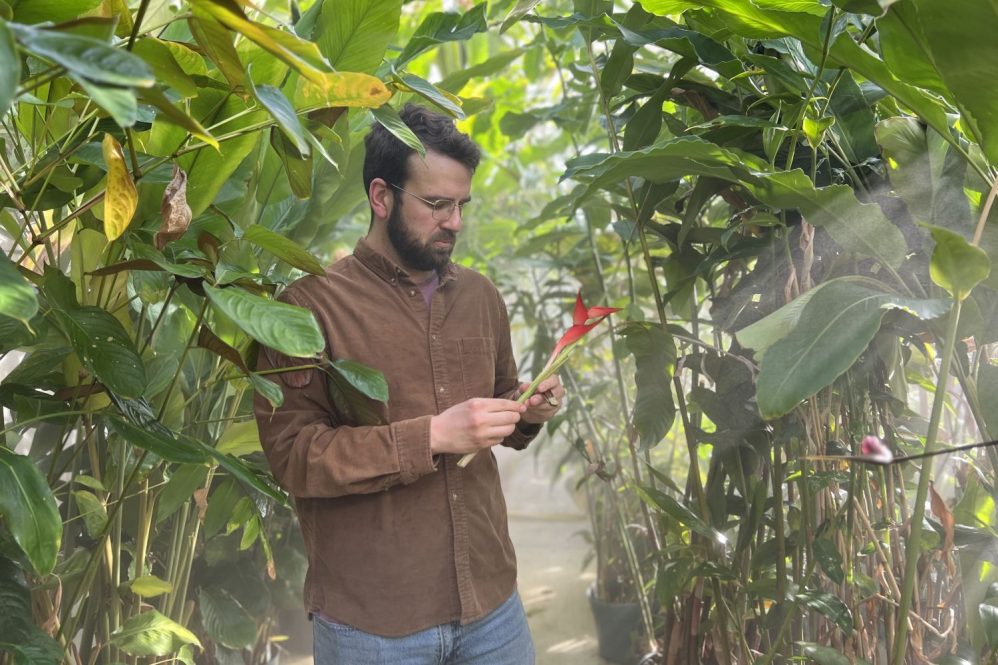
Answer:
(790, 199)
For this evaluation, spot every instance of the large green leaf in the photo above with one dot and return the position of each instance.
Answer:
(164, 65)
(18, 632)
(951, 31)
(286, 328)
(283, 248)
(443, 27)
(86, 57)
(225, 620)
(389, 118)
(17, 295)
(677, 511)
(654, 353)
(152, 634)
(92, 510)
(834, 328)
(10, 68)
(184, 480)
(353, 34)
(903, 48)
(28, 508)
(956, 265)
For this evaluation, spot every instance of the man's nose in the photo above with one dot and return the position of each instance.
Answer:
(455, 221)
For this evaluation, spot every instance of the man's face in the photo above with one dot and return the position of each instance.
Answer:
(422, 241)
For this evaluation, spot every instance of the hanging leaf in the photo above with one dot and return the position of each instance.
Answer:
(446, 101)
(93, 512)
(168, 71)
(176, 116)
(29, 511)
(957, 266)
(286, 328)
(238, 439)
(521, 9)
(104, 349)
(225, 620)
(216, 41)
(152, 634)
(283, 248)
(29, 644)
(683, 515)
(654, 353)
(829, 559)
(390, 120)
(121, 197)
(270, 390)
(369, 381)
(174, 210)
(341, 89)
(17, 295)
(184, 481)
(284, 114)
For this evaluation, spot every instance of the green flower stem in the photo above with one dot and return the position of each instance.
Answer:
(913, 546)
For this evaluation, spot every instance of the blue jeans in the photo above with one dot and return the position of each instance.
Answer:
(499, 638)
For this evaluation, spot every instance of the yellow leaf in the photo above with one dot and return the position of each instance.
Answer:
(149, 586)
(341, 89)
(121, 199)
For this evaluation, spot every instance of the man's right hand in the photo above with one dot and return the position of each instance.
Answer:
(474, 424)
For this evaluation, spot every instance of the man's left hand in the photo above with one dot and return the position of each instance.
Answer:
(545, 402)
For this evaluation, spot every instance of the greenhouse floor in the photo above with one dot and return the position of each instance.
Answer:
(545, 524)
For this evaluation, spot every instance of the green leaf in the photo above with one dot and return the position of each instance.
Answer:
(10, 68)
(440, 27)
(221, 503)
(17, 295)
(368, 380)
(176, 116)
(815, 128)
(903, 48)
(160, 442)
(989, 621)
(354, 34)
(283, 248)
(29, 511)
(950, 31)
(183, 482)
(216, 41)
(18, 632)
(225, 620)
(270, 390)
(957, 266)
(286, 328)
(168, 71)
(150, 586)
(284, 114)
(834, 328)
(120, 103)
(152, 634)
(677, 511)
(521, 9)
(240, 470)
(93, 512)
(456, 80)
(431, 93)
(390, 120)
(86, 57)
(829, 559)
(828, 656)
(871, 7)
(56, 11)
(238, 439)
(829, 605)
(654, 353)
(643, 127)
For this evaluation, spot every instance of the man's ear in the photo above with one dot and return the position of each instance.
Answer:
(381, 197)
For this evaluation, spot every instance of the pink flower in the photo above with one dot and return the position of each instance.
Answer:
(874, 450)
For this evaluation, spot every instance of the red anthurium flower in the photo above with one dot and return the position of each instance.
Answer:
(874, 449)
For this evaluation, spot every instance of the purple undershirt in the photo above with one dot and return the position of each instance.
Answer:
(429, 287)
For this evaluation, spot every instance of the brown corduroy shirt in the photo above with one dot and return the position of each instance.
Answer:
(397, 540)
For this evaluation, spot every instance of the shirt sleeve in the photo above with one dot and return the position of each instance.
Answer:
(312, 455)
(507, 380)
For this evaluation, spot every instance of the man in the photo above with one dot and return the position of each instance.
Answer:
(410, 560)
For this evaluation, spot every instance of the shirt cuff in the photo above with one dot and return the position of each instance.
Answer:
(523, 434)
(412, 440)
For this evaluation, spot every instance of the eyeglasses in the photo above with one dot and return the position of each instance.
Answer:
(442, 208)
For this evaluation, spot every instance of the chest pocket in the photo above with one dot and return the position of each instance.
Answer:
(478, 366)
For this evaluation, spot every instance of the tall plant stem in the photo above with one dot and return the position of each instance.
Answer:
(913, 546)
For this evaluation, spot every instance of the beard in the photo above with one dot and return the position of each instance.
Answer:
(414, 253)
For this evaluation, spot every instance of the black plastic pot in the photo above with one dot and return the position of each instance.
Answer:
(618, 627)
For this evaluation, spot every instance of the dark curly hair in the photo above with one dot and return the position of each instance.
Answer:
(387, 156)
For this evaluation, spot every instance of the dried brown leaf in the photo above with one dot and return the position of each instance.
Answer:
(942, 511)
(174, 209)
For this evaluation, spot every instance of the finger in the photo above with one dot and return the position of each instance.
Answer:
(495, 405)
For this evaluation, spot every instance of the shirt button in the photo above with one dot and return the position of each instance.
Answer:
(412, 292)
(441, 389)
(454, 496)
(393, 280)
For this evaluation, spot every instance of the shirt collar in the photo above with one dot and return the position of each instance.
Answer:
(390, 271)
